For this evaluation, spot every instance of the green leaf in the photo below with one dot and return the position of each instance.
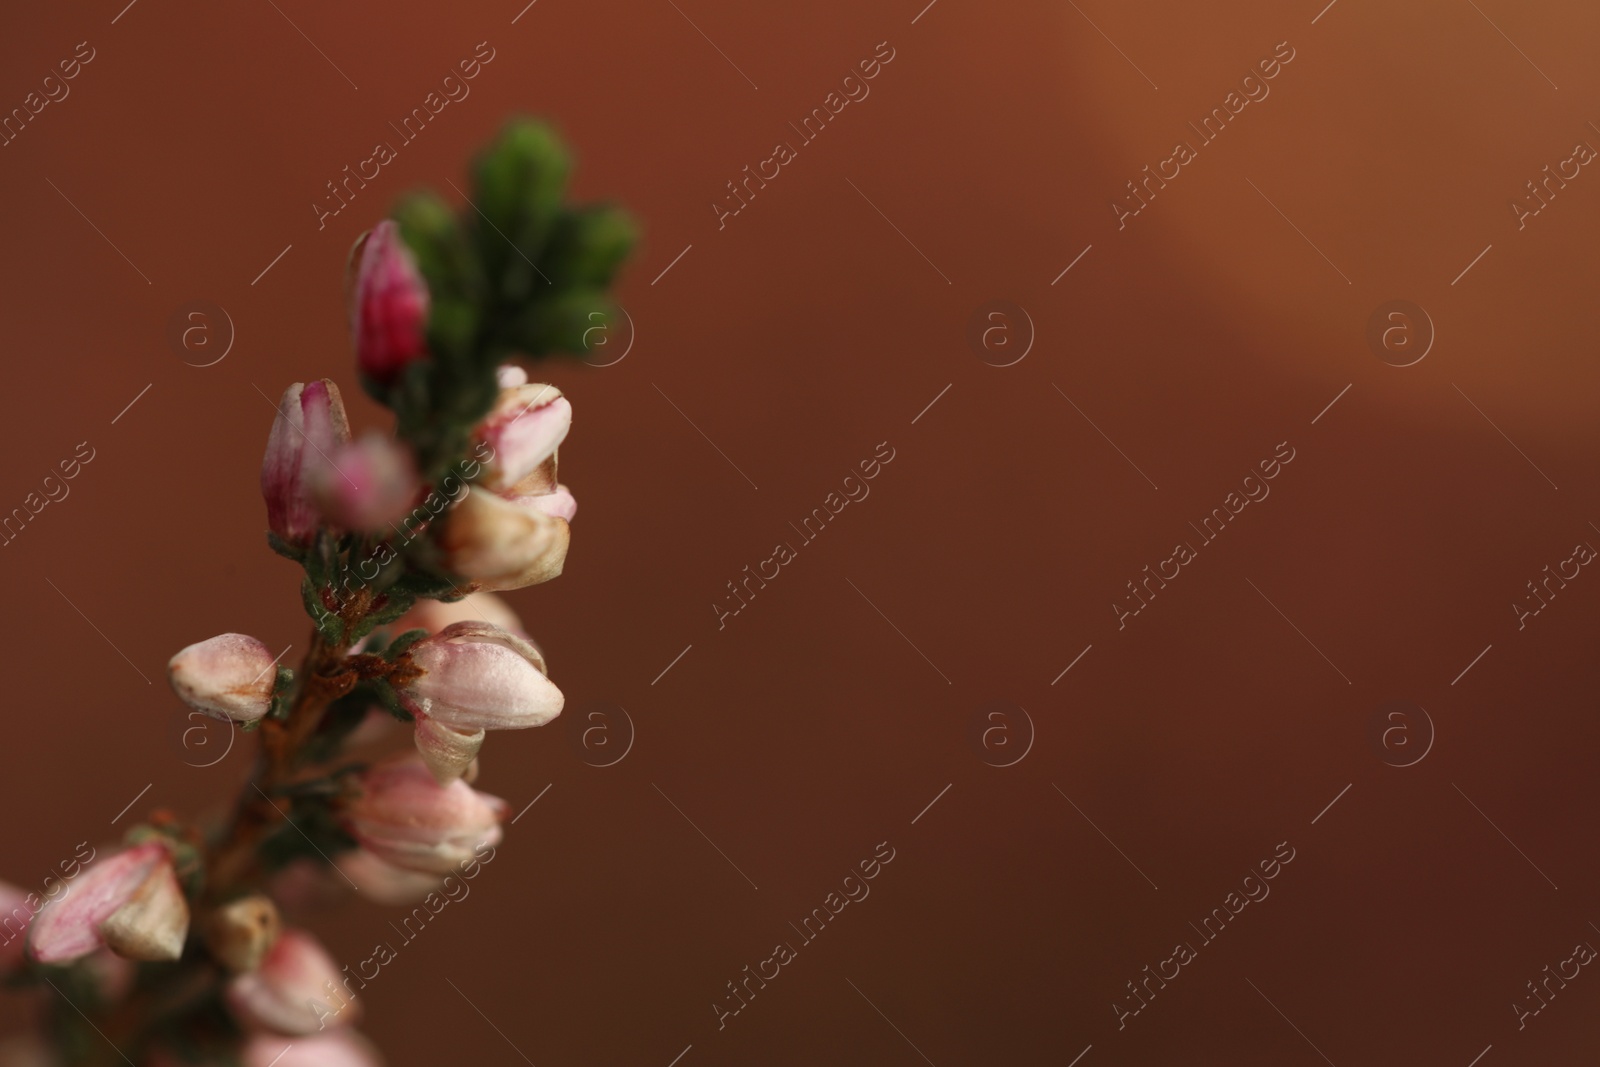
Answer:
(388, 607)
(285, 549)
(326, 622)
(442, 250)
(384, 694)
(399, 645)
(562, 323)
(518, 188)
(587, 247)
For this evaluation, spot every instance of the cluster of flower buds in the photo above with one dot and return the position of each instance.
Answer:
(511, 528)
(403, 539)
(505, 530)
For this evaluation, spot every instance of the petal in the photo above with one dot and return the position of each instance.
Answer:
(289, 993)
(476, 676)
(230, 676)
(447, 751)
(154, 921)
(524, 429)
(501, 545)
(69, 926)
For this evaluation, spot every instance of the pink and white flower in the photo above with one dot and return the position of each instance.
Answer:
(405, 817)
(130, 902)
(524, 428)
(475, 675)
(501, 544)
(294, 991)
(311, 424)
(382, 881)
(338, 1048)
(367, 484)
(511, 529)
(230, 676)
(389, 305)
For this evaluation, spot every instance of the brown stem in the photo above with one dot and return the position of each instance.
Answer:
(326, 673)
(321, 681)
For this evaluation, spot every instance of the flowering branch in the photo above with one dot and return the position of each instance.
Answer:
(172, 948)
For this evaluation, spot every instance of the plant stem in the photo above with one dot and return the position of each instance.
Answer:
(321, 680)
(232, 861)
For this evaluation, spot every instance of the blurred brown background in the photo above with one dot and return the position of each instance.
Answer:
(819, 322)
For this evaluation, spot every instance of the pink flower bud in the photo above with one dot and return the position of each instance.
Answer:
(310, 426)
(406, 818)
(447, 751)
(230, 676)
(558, 503)
(479, 677)
(539, 489)
(389, 305)
(501, 544)
(130, 902)
(380, 880)
(339, 1048)
(154, 921)
(368, 484)
(523, 429)
(295, 991)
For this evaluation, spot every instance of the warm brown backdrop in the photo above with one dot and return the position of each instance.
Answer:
(798, 338)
